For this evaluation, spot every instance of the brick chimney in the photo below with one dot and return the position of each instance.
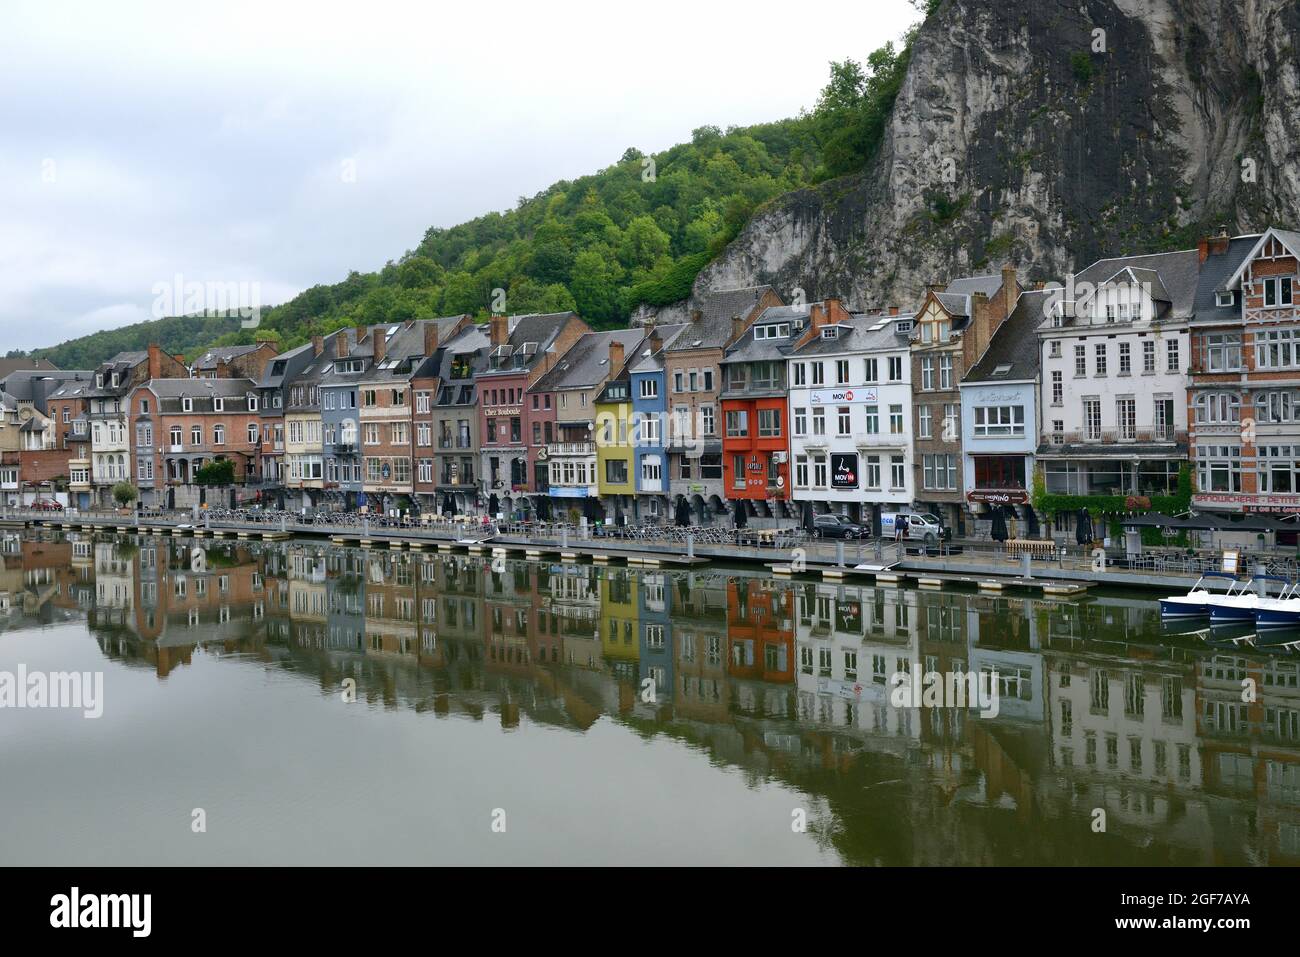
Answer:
(155, 361)
(360, 333)
(317, 345)
(737, 327)
(835, 311)
(380, 344)
(1010, 289)
(1215, 245)
(223, 370)
(656, 343)
(430, 338)
(615, 357)
(893, 310)
(697, 316)
(341, 344)
(498, 330)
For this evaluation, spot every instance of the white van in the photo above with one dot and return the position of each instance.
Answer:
(910, 525)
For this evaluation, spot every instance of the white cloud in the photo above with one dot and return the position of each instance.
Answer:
(208, 142)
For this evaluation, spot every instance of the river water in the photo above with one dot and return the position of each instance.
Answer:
(297, 703)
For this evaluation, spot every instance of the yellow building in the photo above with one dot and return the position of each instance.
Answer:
(615, 436)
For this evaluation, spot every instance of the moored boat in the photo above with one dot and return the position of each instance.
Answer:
(1196, 603)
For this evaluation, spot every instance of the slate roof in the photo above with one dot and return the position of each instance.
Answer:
(8, 366)
(861, 332)
(530, 336)
(1178, 273)
(717, 309)
(587, 363)
(208, 361)
(178, 388)
(642, 363)
(405, 344)
(749, 349)
(1214, 275)
(1014, 343)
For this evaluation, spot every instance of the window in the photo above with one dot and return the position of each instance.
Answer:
(873, 419)
(801, 421)
(818, 374)
(738, 471)
(923, 421)
(801, 471)
(616, 471)
(1054, 349)
(1218, 468)
(187, 404)
(176, 436)
(1148, 357)
(196, 435)
(769, 423)
(737, 424)
(799, 374)
(841, 371)
(897, 472)
(927, 373)
(218, 435)
(945, 372)
(252, 433)
(1000, 420)
(895, 368)
(1171, 355)
(843, 419)
(708, 420)
(1217, 408)
(1277, 349)
(651, 471)
(1277, 291)
(1099, 356)
(895, 420)
(1126, 415)
(819, 471)
(1092, 419)
(1223, 352)
(1058, 388)
(649, 389)
(1080, 361)
(871, 371)
(1125, 358)
(1276, 407)
(1278, 468)
(873, 472)
(939, 472)
(819, 421)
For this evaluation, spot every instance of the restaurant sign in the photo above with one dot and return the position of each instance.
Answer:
(998, 496)
(1262, 502)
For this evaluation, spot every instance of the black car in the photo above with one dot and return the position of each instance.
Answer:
(832, 526)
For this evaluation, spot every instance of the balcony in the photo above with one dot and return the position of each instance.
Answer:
(343, 446)
(1144, 436)
(571, 448)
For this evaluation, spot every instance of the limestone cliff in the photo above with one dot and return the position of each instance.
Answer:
(1022, 133)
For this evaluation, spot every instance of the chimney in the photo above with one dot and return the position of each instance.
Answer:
(893, 310)
(656, 343)
(498, 330)
(737, 327)
(697, 316)
(155, 361)
(615, 357)
(223, 370)
(935, 287)
(341, 344)
(1010, 289)
(361, 333)
(380, 344)
(1202, 248)
(317, 345)
(1219, 242)
(430, 338)
(835, 311)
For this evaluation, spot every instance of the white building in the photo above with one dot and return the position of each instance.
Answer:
(1115, 355)
(999, 412)
(850, 397)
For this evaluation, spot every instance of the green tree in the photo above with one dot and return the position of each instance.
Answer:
(216, 472)
(124, 493)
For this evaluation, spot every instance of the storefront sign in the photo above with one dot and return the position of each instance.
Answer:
(844, 470)
(843, 396)
(1247, 501)
(998, 496)
(495, 411)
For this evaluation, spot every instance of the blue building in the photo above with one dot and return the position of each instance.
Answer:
(649, 384)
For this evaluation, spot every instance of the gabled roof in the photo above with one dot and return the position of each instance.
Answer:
(969, 285)
(644, 361)
(530, 335)
(178, 388)
(1214, 275)
(1173, 277)
(210, 358)
(1014, 344)
(404, 348)
(861, 332)
(21, 365)
(587, 363)
(1288, 238)
(717, 309)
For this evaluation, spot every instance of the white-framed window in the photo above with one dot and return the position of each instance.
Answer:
(998, 420)
(923, 421)
(1099, 358)
(945, 372)
(1148, 357)
(649, 388)
(1223, 352)
(252, 433)
(1058, 388)
(1172, 361)
(218, 434)
(801, 420)
(895, 368)
(801, 471)
(1217, 408)
(187, 404)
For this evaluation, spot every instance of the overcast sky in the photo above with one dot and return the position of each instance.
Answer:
(144, 141)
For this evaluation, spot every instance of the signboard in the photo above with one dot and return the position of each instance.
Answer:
(844, 470)
(998, 496)
(513, 410)
(1239, 500)
(843, 396)
(848, 617)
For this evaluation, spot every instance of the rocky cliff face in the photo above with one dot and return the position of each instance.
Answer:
(1049, 133)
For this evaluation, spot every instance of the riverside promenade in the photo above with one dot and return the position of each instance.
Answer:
(786, 553)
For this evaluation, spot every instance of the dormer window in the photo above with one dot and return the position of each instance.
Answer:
(144, 407)
(187, 404)
(218, 404)
(115, 380)
(252, 403)
(1001, 369)
(99, 380)
(1223, 298)
(903, 328)
(830, 332)
(779, 330)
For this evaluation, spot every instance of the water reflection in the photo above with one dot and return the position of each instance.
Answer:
(1100, 705)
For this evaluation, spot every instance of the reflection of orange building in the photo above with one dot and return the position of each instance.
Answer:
(760, 631)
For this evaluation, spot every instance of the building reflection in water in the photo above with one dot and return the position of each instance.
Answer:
(1098, 707)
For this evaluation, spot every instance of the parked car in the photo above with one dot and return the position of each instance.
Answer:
(914, 526)
(46, 505)
(833, 526)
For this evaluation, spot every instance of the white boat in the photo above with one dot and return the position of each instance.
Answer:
(1196, 603)
(1241, 604)
(1280, 612)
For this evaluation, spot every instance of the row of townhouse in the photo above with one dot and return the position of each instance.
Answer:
(1136, 369)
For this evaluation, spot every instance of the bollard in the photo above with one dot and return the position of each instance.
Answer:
(1026, 566)
(839, 553)
(690, 544)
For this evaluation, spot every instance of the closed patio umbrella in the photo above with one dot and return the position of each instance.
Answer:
(999, 531)
(741, 517)
(683, 513)
(1031, 522)
(1083, 528)
(807, 519)
(494, 504)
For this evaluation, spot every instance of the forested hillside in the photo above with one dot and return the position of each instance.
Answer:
(638, 231)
